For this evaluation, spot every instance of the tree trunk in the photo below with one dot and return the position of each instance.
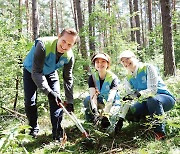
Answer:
(174, 13)
(80, 27)
(93, 30)
(74, 12)
(27, 17)
(35, 19)
(131, 21)
(91, 25)
(169, 60)
(109, 7)
(61, 16)
(150, 15)
(138, 34)
(20, 17)
(145, 24)
(155, 14)
(142, 24)
(159, 14)
(51, 17)
(57, 21)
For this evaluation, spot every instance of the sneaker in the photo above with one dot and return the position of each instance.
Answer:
(119, 126)
(34, 132)
(160, 136)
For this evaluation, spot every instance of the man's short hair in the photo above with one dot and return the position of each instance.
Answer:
(70, 31)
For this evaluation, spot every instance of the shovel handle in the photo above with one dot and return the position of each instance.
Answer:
(75, 120)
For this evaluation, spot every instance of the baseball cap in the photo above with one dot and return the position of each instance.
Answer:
(126, 54)
(100, 55)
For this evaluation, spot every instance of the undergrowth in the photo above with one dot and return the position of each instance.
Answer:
(134, 137)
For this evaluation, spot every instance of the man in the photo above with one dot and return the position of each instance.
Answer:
(40, 65)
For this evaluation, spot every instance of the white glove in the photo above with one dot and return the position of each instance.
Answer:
(107, 107)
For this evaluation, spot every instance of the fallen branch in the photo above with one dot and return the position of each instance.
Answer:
(13, 112)
(113, 151)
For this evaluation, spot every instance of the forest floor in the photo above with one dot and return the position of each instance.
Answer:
(134, 138)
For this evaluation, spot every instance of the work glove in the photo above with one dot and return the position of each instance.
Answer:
(95, 111)
(70, 107)
(131, 96)
(137, 94)
(105, 122)
(54, 96)
(119, 125)
(127, 97)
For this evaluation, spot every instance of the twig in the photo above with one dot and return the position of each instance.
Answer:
(13, 112)
(112, 144)
(82, 93)
(112, 151)
(17, 91)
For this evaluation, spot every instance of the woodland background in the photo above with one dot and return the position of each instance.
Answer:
(151, 28)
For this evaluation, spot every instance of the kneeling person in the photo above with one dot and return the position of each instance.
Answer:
(103, 89)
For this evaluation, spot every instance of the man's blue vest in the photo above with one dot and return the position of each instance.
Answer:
(140, 81)
(105, 89)
(50, 64)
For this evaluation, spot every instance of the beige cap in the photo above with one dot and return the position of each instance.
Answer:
(101, 55)
(126, 54)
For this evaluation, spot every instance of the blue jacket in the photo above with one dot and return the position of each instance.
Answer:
(140, 81)
(50, 64)
(105, 89)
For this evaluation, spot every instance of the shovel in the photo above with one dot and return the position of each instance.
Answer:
(75, 120)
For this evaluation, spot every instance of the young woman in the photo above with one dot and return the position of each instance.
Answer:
(103, 89)
(144, 82)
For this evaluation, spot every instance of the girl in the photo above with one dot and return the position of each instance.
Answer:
(103, 89)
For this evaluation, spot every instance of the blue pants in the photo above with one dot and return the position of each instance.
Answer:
(153, 105)
(30, 98)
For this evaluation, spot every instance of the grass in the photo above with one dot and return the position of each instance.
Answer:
(134, 138)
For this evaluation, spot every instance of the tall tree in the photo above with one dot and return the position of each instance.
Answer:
(131, 20)
(20, 17)
(51, 16)
(109, 6)
(138, 34)
(91, 25)
(35, 19)
(150, 15)
(80, 27)
(155, 13)
(174, 14)
(27, 17)
(57, 21)
(142, 23)
(169, 60)
(61, 16)
(74, 12)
